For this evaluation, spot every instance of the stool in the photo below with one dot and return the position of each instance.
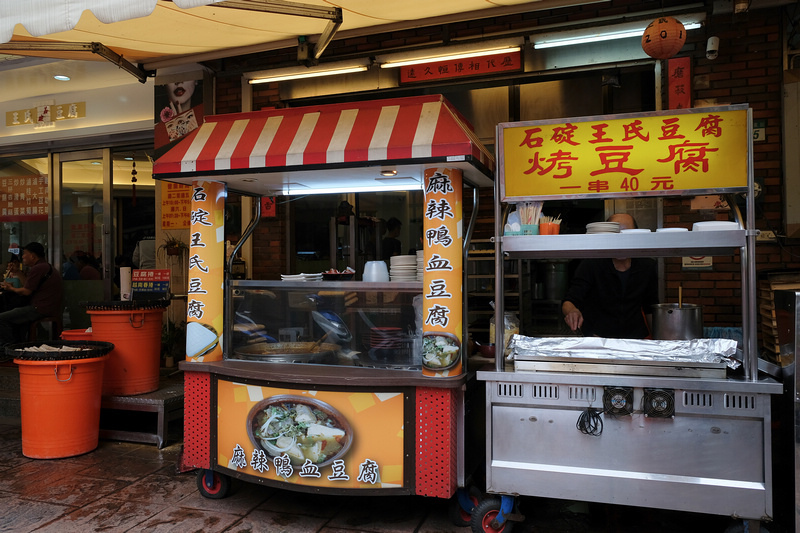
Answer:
(166, 404)
(56, 326)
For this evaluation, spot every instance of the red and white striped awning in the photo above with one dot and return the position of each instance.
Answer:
(263, 151)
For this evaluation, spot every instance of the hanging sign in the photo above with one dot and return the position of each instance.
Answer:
(334, 439)
(460, 68)
(442, 276)
(680, 83)
(645, 154)
(204, 308)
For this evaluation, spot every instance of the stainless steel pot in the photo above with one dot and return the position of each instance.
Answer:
(671, 322)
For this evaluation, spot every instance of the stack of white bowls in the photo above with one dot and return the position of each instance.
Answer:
(420, 264)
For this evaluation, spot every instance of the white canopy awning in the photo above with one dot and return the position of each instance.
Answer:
(156, 32)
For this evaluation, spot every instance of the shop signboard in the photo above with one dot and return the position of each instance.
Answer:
(150, 280)
(331, 439)
(442, 273)
(647, 154)
(509, 61)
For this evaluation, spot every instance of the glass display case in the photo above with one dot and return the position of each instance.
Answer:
(344, 323)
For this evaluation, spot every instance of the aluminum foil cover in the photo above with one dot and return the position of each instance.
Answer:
(695, 350)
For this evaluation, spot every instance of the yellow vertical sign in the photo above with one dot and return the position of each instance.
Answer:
(442, 279)
(204, 313)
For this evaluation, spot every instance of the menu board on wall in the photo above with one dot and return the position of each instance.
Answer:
(23, 198)
(333, 439)
(176, 205)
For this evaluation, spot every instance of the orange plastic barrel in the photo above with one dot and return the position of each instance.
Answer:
(60, 396)
(76, 335)
(134, 364)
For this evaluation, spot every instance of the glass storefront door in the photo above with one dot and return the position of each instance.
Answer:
(83, 230)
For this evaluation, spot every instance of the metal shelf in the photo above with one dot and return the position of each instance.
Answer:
(657, 244)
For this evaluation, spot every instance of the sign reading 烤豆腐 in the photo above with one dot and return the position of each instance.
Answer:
(645, 154)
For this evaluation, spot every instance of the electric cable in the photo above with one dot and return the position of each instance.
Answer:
(590, 422)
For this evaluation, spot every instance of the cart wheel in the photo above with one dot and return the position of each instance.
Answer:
(457, 511)
(483, 516)
(213, 485)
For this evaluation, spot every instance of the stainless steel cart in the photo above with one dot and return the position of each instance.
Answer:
(707, 446)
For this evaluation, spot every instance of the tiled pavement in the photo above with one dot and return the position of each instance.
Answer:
(126, 487)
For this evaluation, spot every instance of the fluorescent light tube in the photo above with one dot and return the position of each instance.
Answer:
(449, 57)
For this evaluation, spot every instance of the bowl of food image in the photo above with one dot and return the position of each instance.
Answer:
(302, 428)
(440, 351)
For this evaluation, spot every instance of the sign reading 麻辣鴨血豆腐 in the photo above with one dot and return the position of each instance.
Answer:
(320, 438)
(660, 153)
(442, 327)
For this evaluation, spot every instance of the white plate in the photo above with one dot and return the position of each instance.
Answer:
(402, 260)
(715, 225)
(635, 230)
(670, 230)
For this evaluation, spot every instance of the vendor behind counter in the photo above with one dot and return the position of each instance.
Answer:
(613, 297)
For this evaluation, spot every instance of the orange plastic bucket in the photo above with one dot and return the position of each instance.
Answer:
(60, 406)
(76, 335)
(134, 364)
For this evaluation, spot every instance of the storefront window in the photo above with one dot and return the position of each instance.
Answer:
(24, 204)
(341, 230)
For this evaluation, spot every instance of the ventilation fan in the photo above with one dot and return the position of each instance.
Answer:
(659, 403)
(618, 401)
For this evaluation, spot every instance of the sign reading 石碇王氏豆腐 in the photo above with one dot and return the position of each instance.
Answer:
(660, 153)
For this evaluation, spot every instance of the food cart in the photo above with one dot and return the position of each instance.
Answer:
(310, 383)
(680, 435)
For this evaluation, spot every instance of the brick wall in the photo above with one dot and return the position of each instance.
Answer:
(748, 70)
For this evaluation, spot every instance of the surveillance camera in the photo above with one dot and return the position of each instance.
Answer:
(712, 47)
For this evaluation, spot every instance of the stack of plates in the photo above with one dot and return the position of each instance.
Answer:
(385, 338)
(715, 225)
(420, 264)
(302, 277)
(602, 227)
(403, 268)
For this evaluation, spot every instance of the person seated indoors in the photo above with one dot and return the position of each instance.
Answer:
(14, 274)
(43, 286)
(16, 278)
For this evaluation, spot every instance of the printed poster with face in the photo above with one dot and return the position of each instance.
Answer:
(178, 112)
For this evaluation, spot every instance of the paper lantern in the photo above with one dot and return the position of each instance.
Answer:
(663, 38)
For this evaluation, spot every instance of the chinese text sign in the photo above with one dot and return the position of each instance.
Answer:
(647, 155)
